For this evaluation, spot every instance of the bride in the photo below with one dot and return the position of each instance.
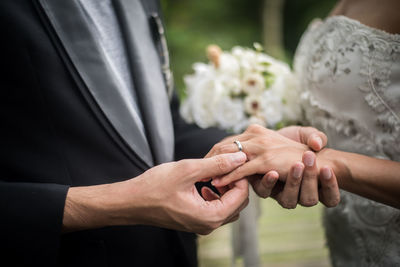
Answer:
(349, 67)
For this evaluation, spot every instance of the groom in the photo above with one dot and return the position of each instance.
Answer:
(85, 108)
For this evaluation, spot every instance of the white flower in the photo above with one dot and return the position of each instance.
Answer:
(278, 68)
(231, 91)
(247, 58)
(292, 99)
(253, 104)
(273, 108)
(204, 101)
(253, 83)
(229, 112)
(201, 70)
(202, 96)
(229, 65)
(238, 51)
(231, 84)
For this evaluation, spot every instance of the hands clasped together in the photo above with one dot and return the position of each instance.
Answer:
(166, 195)
(280, 164)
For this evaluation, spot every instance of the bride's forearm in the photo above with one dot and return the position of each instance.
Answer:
(369, 177)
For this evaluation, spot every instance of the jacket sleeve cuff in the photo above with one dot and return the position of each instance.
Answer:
(31, 219)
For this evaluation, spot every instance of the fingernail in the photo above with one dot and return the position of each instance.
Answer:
(309, 159)
(270, 180)
(215, 181)
(297, 171)
(319, 141)
(326, 173)
(238, 157)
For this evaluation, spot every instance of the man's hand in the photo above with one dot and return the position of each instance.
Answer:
(164, 196)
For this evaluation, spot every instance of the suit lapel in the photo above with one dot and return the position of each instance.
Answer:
(148, 78)
(73, 30)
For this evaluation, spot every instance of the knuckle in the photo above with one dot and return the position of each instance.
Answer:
(255, 128)
(265, 157)
(321, 134)
(294, 183)
(222, 163)
(215, 148)
(237, 172)
(309, 129)
(310, 174)
(225, 149)
(216, 218)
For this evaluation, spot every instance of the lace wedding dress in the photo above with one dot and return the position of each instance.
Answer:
(350, 77)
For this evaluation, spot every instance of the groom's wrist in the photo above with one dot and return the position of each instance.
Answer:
(90, 207)
(83, 207)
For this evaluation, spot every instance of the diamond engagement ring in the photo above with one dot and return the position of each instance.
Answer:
(239, 145)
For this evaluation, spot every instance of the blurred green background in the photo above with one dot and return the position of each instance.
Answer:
(286, 237)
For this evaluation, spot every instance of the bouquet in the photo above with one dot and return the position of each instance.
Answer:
(238, 88)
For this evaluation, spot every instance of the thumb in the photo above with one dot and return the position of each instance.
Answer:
(313, 138)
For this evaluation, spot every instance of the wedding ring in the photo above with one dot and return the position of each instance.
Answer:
(239, 145)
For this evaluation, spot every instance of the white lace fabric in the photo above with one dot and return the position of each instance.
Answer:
(350, 79)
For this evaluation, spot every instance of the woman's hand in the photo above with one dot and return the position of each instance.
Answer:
(299, 182)
(313, 138)
(266, 151)
(306, 185)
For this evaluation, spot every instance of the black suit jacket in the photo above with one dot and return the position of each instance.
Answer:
(60, 127)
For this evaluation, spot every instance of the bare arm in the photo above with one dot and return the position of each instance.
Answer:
(373, 178)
